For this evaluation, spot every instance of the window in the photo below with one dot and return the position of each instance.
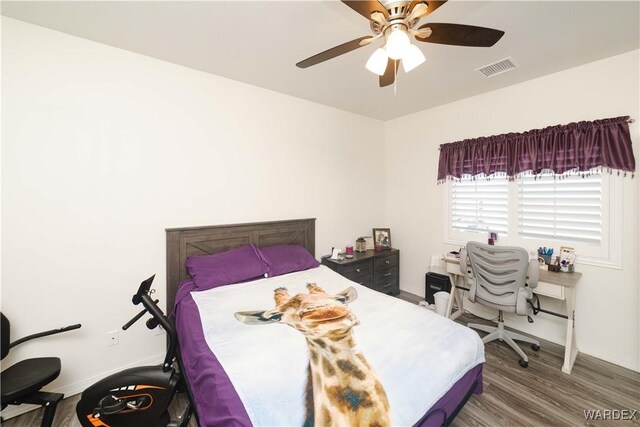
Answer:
(568, 209)
(479, 206)
(581, 212)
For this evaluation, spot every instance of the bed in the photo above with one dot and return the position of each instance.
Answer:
(241, 375)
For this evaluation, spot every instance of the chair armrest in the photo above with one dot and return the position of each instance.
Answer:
(533, 273)
(463, 262)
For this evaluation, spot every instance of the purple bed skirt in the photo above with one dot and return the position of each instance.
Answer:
(216, 401)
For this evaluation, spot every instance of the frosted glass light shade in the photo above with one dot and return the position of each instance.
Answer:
(397, 43)
(377, 62)
(412, 57)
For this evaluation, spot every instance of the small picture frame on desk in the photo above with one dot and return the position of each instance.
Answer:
(567, 259)
(382, 238)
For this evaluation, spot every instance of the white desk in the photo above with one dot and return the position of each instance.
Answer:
(554, 285)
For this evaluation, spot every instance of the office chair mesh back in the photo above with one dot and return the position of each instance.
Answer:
(501, 277)
(498, 275)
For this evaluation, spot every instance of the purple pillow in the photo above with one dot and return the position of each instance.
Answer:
(287, 259)
(233, 266)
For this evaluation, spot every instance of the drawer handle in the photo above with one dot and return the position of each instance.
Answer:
(358, 271)
(387, 262)
(387, 275)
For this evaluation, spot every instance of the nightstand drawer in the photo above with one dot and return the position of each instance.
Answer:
(389, 289)
(356, 269)
(388, 286)
(383, 263)
(385, 277)
(364, 279)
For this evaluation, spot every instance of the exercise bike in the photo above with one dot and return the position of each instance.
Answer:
(138, 396)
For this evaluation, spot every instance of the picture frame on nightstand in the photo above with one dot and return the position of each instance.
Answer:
(382, 238)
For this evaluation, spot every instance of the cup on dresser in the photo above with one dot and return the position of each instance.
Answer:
(348, 251)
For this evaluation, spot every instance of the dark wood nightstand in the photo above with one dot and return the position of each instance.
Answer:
(375, 270)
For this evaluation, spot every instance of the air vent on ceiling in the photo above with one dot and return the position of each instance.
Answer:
(496, 68)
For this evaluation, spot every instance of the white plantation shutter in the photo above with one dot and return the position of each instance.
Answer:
(567, 209)
(584, 213)
(480, 205)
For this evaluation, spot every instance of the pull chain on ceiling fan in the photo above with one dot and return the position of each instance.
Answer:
(396, 23)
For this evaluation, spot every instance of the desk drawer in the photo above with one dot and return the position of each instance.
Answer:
(383, 263)
(549, 290)
(453, 267)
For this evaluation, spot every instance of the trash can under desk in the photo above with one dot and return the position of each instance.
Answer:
(434, 282)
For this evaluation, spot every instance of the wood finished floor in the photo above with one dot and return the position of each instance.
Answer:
(540, 395)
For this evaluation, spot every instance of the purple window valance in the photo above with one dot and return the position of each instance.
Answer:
(576, 147)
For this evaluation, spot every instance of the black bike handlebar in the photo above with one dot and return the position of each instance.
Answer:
(44, 334)
(136, 318)
(152, 323)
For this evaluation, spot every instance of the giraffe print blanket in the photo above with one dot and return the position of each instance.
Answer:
(416, 354)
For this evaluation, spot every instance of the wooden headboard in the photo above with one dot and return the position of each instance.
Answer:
(186, 242)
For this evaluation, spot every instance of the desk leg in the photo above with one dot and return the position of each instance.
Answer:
(570, 349)
(455, 295)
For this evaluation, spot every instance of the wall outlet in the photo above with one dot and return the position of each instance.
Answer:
(113, 338)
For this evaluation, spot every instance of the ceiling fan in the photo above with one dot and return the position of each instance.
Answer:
(396, 22)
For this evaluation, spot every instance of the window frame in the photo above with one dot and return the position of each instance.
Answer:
(609, 252)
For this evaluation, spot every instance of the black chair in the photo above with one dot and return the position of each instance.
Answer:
(21, 382)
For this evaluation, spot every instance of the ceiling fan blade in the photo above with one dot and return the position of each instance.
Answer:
(389, 75)
(333, 52)
(433, 5)
(366, 7)
(461, 35)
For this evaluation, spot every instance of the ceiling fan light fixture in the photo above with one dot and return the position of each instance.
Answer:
(412, 57)
(397, 43)
(377, 62)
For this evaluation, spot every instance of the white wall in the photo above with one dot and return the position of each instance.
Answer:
(607, 303)
(103, 149)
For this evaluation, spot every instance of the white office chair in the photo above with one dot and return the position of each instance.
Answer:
(500, 277)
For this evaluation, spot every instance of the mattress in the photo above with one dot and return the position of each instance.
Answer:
(256, 375)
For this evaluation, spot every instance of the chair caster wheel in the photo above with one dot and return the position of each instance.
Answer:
(524, 363)
(535, 347)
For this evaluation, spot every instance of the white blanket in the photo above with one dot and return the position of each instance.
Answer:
(417, 354)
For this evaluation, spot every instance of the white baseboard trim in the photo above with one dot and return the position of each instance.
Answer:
(78, 387)
(616, 361)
